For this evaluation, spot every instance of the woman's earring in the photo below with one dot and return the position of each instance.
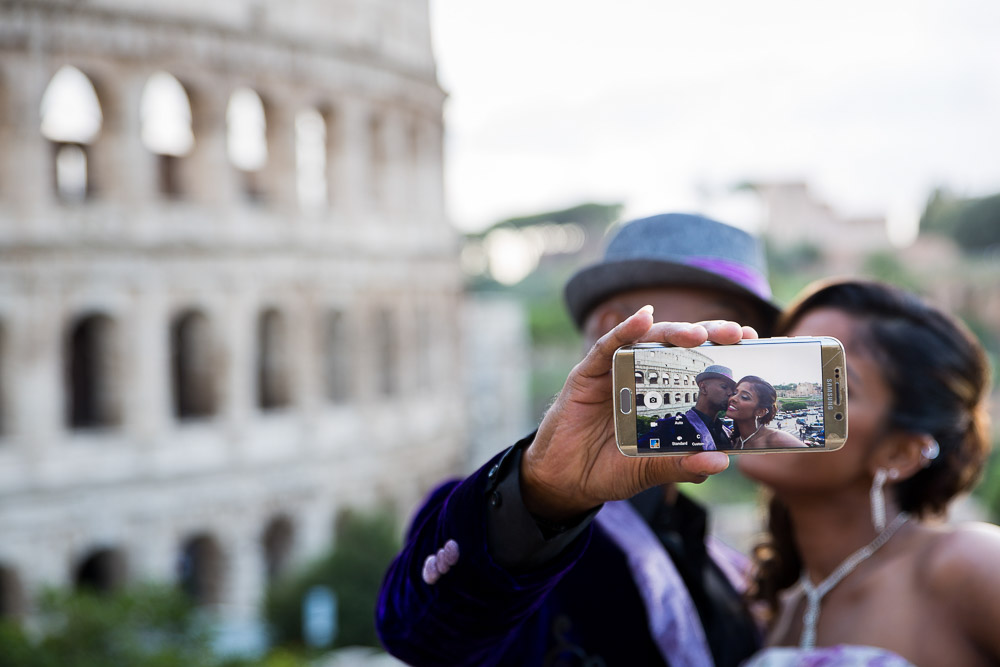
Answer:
(878, 496)
(930, 451)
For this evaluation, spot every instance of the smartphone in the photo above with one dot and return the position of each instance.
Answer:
(763, 395)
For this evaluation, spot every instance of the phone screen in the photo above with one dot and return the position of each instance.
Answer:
(771, 394)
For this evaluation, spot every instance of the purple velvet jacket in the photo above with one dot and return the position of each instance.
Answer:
(583, 607)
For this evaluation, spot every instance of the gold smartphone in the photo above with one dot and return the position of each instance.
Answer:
(763, 395)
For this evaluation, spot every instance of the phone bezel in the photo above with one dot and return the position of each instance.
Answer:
(834, 392)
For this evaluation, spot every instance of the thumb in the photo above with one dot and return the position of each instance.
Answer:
(688, 468)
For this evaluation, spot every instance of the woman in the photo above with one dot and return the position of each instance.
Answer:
(858, 569)
(752, 408)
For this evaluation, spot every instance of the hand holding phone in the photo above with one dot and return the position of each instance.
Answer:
(574, 464)
(765, 395)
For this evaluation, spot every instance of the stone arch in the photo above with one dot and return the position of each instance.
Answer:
(414, 159)
(166, 128)
(246, 140)
(311, 150)
(336, 355)
(201, 568)
(277, 541)
(193, 367)
(4, 393)
(101, 571)
(639, 378)
(654, 377)
(93, 373)
(386, 351)
(273, 381)
(71, 119)
(13, 603)
(378, 158)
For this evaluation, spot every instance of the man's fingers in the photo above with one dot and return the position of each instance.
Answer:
(722, 331)
(688, 468)
(598, 360)
(681, 334)
(705, 463)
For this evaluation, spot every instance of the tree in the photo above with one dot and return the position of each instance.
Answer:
(974, 223)
(143, 626)
(353, 570)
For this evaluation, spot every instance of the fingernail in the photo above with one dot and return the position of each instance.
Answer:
(648, 308)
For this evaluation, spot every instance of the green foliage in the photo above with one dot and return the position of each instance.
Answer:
(886, 266)
(973, 223)
(144, 626)
(550, 323)
(591, 215)
(799, 258)
(792, 405)
(729, 486)
(792, 269)
(366, 544)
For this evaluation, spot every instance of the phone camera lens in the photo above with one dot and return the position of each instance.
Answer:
(839, 416)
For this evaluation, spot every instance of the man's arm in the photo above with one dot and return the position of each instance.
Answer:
(470, 613)
(506, 565)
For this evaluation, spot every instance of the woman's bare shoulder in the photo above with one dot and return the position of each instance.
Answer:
(962, 558)
(959, 569)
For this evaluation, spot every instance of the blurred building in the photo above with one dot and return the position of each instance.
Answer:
(795, 216)
(229, 296)
(665, 381)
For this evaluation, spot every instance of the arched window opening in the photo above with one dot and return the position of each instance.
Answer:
(246, 135)
(272, 361)
(687, 397)
(71, 120)
(12, 599)
(654, 378)
(336, 356)
(386, 352)
(193, 366)
(413, 155)
(165, 114)
(310, 160)
(3, 380)
(93, 396)
(101, 571)
(424, 343)
(277, 542)
(377, 158)
(200, 570)
(639, 378)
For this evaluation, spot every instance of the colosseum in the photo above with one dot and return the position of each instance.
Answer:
(229, 294)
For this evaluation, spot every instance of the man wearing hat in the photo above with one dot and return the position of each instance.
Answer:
(699, 427)
(561, 550)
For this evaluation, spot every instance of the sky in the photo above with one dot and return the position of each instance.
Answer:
(663, 105)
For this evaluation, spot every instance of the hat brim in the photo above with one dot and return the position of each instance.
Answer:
(592, 285)
(708, 376)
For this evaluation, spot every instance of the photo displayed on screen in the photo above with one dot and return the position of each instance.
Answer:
(729, 397)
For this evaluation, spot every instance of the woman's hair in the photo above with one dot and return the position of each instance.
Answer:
(767, 397)
(938, 380)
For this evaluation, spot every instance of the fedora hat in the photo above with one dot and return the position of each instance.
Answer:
(673, 250)
(715, 371)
